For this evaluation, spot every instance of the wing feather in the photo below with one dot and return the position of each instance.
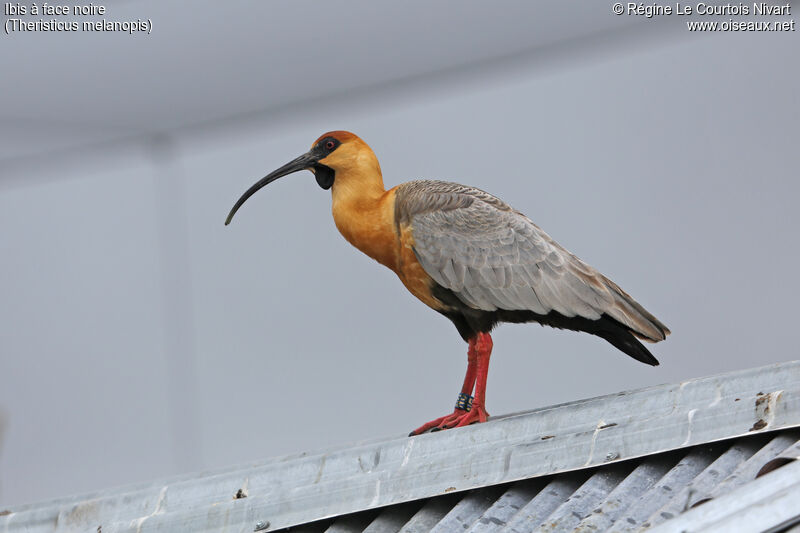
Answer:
(493, 257)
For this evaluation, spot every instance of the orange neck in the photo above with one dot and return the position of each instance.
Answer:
(364, 213)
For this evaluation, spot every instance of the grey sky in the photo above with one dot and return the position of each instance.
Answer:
(141, 338)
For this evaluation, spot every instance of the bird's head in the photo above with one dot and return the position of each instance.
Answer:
(334, 154)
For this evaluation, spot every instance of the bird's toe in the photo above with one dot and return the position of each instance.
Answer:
(458, 418)
(438, 424)
(475, 415)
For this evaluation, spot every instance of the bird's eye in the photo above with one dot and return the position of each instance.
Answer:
(329, 145)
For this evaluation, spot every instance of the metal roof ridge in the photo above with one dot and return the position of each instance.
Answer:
(301, 488)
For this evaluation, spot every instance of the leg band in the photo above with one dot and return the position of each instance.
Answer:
(464, 402)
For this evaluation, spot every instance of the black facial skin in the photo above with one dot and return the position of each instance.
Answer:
(324, 175)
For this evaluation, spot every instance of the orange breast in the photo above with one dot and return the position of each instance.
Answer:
(370, 226)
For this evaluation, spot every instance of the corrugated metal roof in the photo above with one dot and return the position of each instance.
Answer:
(626, 497)
(619, 462)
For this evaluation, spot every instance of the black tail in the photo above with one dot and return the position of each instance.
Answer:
(623, 340)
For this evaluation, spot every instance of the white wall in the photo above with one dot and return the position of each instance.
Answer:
(141, 338)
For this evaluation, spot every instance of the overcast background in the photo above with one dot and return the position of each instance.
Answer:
(140, 338)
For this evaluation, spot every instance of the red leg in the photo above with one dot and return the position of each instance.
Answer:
(483, 347)
(466, 388)
(480, 348)
(469, 377)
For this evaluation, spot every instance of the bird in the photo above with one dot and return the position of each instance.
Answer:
(471, 257)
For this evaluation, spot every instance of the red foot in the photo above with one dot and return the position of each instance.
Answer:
(458, 418)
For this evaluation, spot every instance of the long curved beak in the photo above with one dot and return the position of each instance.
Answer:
(303, 162)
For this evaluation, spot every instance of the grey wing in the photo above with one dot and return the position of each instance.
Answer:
(493, 257)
